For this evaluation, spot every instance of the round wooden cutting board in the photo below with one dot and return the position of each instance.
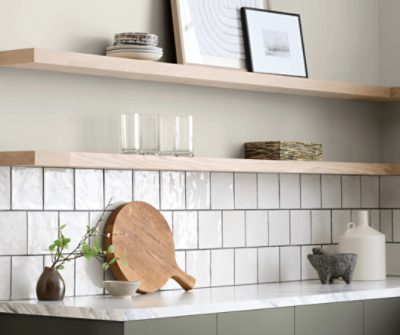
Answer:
(141, 236)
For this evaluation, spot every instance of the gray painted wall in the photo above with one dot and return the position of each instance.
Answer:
(390, 75)
(65, 112)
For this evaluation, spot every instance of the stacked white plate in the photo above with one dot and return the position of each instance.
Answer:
(135, 46)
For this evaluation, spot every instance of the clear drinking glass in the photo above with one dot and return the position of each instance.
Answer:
(149, 134)
(184, 135)
(167, 135)
(130, 136)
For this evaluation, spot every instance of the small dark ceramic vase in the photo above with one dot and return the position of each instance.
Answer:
(50, 286)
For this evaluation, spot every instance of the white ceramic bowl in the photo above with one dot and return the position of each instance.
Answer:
(121, 289)
(153, 56)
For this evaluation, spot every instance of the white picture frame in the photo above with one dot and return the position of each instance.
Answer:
(274, 42)
(209, 32)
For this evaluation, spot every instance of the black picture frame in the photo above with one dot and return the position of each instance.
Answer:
(248, 47)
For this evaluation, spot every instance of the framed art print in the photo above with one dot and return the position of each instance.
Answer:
(209, 32)
(274, 42)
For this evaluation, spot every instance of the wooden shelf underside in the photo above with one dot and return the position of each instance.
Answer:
(166, 163)
(95, 65)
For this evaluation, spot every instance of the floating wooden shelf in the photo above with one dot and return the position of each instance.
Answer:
(94, 65)
(395, 93)
(166, 163)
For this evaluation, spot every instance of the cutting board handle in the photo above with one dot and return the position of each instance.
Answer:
(186, 281)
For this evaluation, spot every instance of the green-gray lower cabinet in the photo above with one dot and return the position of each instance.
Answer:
(344, 318)
(193, 325)
(382, 317)
(16, 324)
(277, 321)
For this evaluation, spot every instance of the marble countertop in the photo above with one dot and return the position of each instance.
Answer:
(205, 301)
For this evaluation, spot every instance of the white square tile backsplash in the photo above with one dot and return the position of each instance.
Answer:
(117, 187)
(351, 191)
(147, 187)
(185, 230)
(321, 226)
(27, 188)
(25, 272)
(42, 231)
(76, 223)
(268, 265)
(14, 233)
(331, 191)
(290, 264)
(222, 190)
(300, 227)
(268, 191)
(390, 192)
(198, 190)
(307, 271)
(370, 191)
(229, 228)
(393, 259)
(396, 225)
(222, 267)
(279, 230)
(89, 277)
(5, 282)
(245, 266)
(256, 228)
(210, 229)
(310, 191)
(374, 217)
(89, 189)
(290, 191)
(340, 220)
(245, 190)
(5, 181)
(172, 190)
(58, 189)
(198, 265)
(386, 224)
(233, 229)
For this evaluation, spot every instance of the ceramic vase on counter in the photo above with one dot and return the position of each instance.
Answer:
(50, 286)
(369, 245)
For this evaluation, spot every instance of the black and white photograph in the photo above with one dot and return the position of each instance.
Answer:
(274, 42)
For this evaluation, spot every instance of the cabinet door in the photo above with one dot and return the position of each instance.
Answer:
(15, 324)
(193, 325)
(382, 316)
(277, 321)
(330, 319)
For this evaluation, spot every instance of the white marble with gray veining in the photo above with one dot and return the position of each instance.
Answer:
(206, 301)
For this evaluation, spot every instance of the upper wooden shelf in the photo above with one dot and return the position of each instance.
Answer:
(94, 65)
(168, 163)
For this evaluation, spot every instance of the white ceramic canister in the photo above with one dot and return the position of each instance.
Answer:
(369, 245)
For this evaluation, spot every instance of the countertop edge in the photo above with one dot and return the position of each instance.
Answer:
(149, 313)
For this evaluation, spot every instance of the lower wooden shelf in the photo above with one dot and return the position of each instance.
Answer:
(167, 163)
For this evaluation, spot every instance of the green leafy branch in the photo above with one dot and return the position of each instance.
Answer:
(83, 248)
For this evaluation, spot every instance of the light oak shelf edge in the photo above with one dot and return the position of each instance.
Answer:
(95, 65)
(168, 163)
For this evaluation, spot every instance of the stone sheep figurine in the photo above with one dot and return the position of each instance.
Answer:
(332, 266)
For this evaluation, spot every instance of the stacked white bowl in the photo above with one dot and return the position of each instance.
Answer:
(135, 46)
